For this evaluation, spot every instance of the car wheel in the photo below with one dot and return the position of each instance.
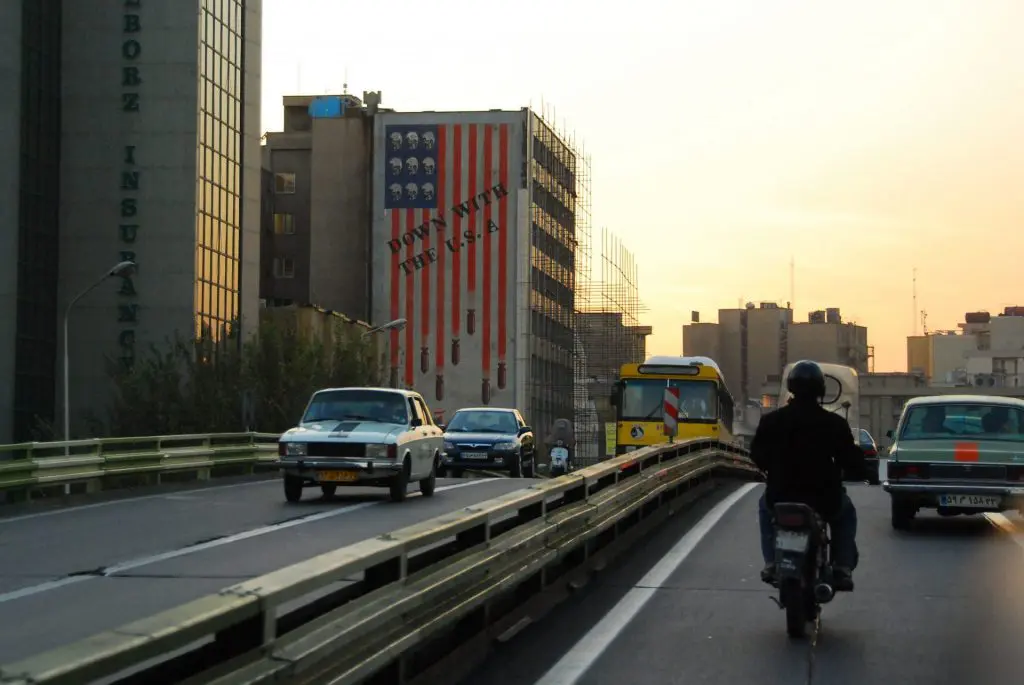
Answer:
(328, 490)
(516, 470)
(902, 514)
(531, 470)
(400, 484)
(292, 489)
(429, 484)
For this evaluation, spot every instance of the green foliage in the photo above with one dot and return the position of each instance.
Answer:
(201, 385)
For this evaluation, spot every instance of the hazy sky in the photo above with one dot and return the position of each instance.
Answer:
(861, 139)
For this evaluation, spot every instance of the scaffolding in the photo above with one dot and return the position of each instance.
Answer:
(589, 287)
(555, 205)
(608, 330)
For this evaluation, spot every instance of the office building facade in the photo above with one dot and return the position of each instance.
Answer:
(155, 160)
(30, 153)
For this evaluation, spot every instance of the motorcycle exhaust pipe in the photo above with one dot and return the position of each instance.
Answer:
(824, 593)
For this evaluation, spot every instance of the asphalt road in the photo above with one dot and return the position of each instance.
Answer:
(68, 573)
(942, 604)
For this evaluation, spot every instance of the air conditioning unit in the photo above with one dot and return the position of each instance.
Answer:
(984, 380)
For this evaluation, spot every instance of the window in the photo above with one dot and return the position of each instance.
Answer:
(284, 224)
(284, 267)
(967, 421)
(284, 184)
(356, 405)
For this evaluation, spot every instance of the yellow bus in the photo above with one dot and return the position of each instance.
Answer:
(705, 404)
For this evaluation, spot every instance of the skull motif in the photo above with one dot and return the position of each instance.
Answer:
(396, 166)
(396, 140)
(428, 191)
(429, 166)
(412, 165)
(411, 190)
(429, 141)
(412, 139)
(396, 191)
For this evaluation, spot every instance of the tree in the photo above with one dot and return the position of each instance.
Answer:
(197, 386)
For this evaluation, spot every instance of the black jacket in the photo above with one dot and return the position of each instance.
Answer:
(804, 450)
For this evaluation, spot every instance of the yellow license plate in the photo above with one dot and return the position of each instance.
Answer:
(338, 476)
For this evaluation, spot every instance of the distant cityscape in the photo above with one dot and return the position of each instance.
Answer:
(753, 344)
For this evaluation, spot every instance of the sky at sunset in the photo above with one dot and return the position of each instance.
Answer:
(862, 139)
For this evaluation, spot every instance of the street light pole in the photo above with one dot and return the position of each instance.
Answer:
(396, 325)
(119, 269)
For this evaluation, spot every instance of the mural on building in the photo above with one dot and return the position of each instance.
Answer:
(445, 251)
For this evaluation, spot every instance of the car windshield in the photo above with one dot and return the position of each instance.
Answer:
(642, 399)
(357, 405)
(957, 421)
(483, 422)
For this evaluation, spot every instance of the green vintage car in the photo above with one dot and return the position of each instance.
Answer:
(957, 454)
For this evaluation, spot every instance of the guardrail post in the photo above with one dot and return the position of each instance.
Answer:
(385, 573)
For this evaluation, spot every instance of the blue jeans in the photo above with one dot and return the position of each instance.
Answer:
(844, 534)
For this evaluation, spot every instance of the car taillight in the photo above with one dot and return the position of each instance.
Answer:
(1015, 472)
(280, 449)
(897, 470)
(870, 452)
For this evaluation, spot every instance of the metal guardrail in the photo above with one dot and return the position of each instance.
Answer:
(101, 463)
(392, 606)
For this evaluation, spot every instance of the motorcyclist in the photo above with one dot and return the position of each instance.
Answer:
(804, 450)
(562, 430)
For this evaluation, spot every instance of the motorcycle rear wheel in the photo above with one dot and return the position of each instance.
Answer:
(792, 598)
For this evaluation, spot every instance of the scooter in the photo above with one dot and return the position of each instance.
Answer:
(559, 459)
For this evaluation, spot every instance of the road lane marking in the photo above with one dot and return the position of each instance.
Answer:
(121, 567)
(582, 655)
(73, 509)
(1003, 523)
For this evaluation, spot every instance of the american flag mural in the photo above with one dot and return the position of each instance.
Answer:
(445, 252)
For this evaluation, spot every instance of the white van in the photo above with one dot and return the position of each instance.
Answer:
(842, 393)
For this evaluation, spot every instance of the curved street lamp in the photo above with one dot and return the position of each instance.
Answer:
(120, 269)
(396, 325)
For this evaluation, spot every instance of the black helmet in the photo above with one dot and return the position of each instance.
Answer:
(806, 381)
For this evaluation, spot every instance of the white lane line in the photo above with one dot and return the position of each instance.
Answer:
(1005, 524)
(74, 509)
(578, 660)
(219, 542)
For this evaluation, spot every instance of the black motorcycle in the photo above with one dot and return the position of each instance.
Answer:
(803, 567)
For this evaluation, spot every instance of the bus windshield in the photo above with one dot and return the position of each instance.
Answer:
(643, 398)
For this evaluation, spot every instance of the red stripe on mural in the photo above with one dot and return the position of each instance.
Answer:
(485, 228)
(471, 252)
(456, 235)
(442, 187)
(396, 231)
(410, 300)
(425, 286)
(503, 230)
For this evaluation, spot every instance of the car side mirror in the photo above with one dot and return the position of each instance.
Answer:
(442, 426)
(416, 422)
(524, 430)
(889, 434)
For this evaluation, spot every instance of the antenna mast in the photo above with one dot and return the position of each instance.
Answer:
(915, 300)
(792, 283)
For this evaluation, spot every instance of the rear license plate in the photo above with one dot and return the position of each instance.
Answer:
(790, 541)
(338, 476)
(474, 455)
(973, 501)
